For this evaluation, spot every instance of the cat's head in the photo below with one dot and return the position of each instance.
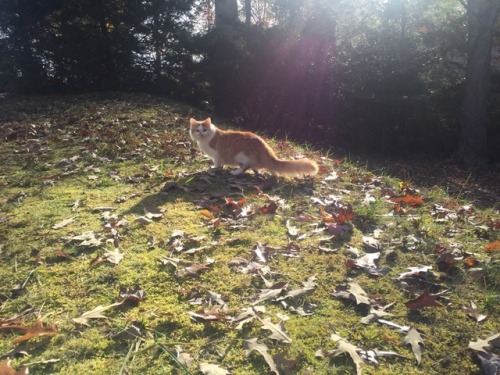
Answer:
(201, 129)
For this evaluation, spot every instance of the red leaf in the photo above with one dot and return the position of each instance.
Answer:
(492, 247)
(425, 300)
(269, 209)
(408, 200)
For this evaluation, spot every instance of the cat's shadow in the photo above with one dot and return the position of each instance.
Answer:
(215, 183)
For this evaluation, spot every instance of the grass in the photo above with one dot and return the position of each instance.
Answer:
(68, 157)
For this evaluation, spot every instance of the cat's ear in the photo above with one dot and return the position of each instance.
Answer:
(192, 122)
(207, 121)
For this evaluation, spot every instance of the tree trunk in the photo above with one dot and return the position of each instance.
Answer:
(482, 15)
(248, 12)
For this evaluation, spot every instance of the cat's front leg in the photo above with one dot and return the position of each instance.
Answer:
(218, 165)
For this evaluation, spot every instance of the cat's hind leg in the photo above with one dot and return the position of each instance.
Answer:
(243, 161)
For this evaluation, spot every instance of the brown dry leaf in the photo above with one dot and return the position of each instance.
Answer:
(35, 330)
(114, 256)
(153, 213)
(252, 344)
(6, 369)
(414, 339)
(346, 347)
(424, 300)
(86, 239)
(135, 295)
(355, 293)
(63, 223)
(191, 270)
(270, 293)
(207, 315)
(278, 331)
(95, 313)
(185, 358)
(269, 209)
(482, 344)
(471, 309)
(211, 369)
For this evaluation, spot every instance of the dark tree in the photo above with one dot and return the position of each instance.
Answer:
(481, 17)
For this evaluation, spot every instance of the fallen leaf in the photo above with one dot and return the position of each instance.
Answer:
(36, 330)
(408, 200)
(247, 315)
(354, 292)
(183, 357)
(471, 309)
(143, 220)
(207, 315)
(277, 330)
(207, 214)
(345, 347)
(376, 314)
(492, 247)
(286, 366)
(269, 209)
(391, 324)
(114, 256)
(252, 344)
(270, 293)
(292, 230)
(414, 339)
(63, 223)
(153, 213)
(373, 355)
(482, 344)
(211, 369)
(94, 314)
(86, 239)
(135, 295)
(424, 300)
(336, 229)
(6, 369)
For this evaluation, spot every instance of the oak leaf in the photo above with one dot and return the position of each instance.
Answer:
(355, 293)
(482, 344)
(414, 339)
(346, 347)
(95, 313)
(36, 330)
(114, 256)
(277, 330)
(252, 344)
(63, 223)
(424, 300)
(6, 369)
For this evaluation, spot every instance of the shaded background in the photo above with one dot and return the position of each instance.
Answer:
(367, 76)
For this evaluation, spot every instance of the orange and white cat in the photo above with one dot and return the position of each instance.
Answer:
(245, 150)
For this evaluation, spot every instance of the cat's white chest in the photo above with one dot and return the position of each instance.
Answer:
(204, 145)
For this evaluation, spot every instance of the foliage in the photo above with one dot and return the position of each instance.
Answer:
(384, 76)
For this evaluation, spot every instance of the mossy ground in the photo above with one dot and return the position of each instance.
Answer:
(119, 151)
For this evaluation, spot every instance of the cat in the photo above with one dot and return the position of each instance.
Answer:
(245, 150)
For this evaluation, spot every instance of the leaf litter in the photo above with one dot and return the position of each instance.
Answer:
(239, 295)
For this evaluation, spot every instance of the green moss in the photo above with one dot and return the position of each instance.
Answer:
(61, 282)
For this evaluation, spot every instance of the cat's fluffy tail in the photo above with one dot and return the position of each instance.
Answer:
(299, 167)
